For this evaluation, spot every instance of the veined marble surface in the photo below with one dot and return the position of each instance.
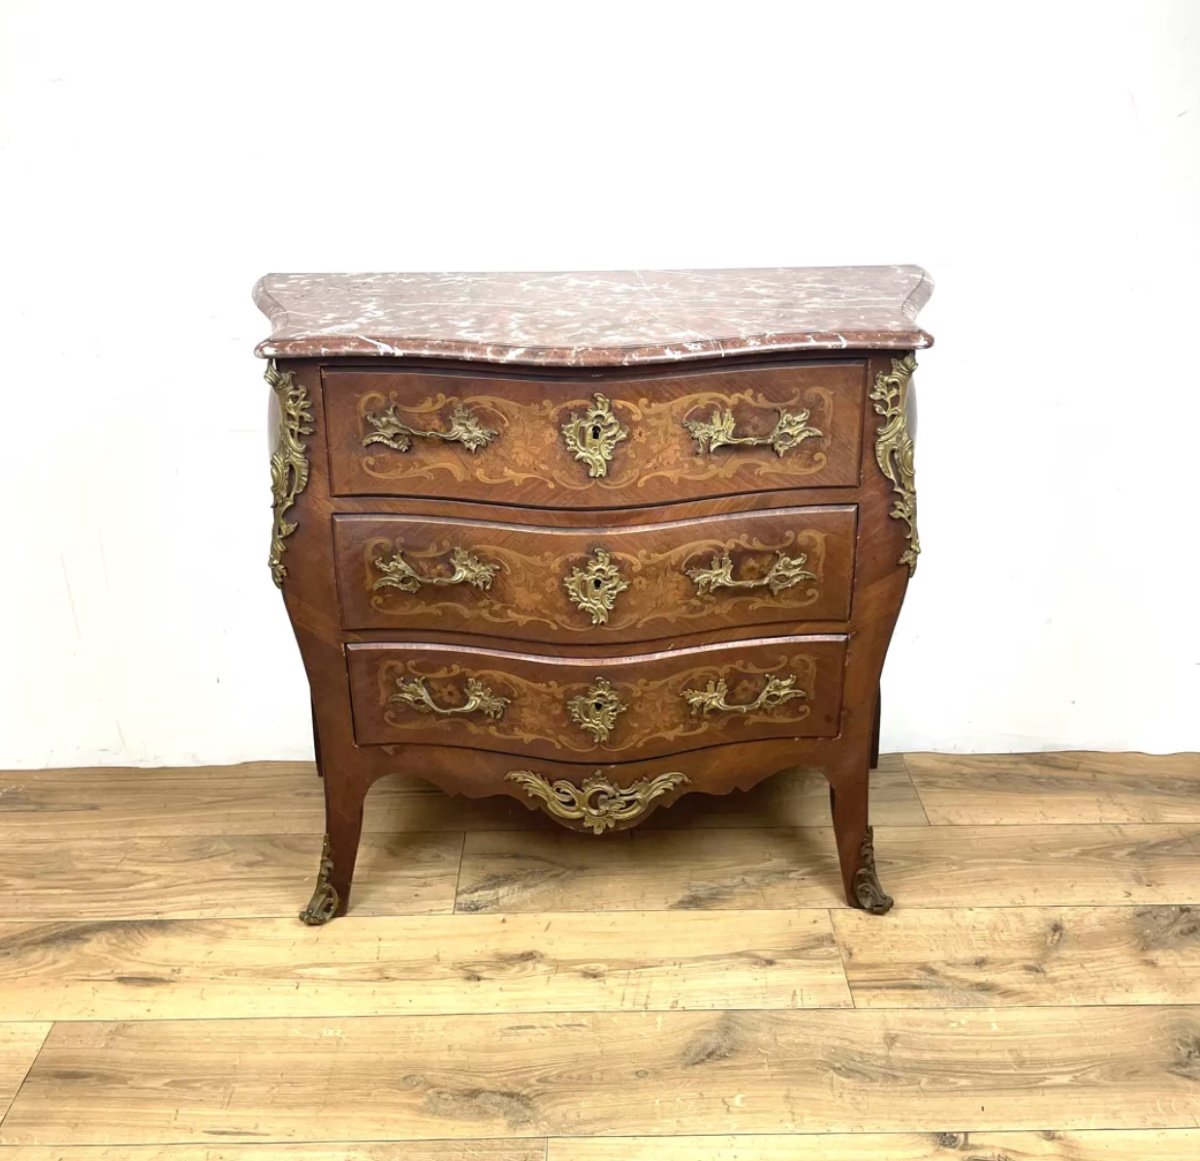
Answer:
(594, 318)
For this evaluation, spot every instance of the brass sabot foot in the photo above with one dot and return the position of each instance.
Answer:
(324, 902)
(869, 895)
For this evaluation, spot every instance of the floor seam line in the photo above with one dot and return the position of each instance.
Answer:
(25, 1077)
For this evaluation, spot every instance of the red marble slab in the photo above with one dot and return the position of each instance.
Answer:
(594, 318)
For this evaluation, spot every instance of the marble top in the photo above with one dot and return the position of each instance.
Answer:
(594, 318)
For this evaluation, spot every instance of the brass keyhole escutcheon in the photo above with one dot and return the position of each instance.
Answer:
(595, 587)
(596, 710)
(592, 435)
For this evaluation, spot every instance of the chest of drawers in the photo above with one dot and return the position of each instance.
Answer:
(593, 540)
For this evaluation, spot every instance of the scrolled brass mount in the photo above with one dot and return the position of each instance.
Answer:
(775, 692)
(413, 693)
(784, 572)
(790, 431)
(598, 802)
(289, 460)
(324, 902)
(392, 431)
(467, 569)
(894, 449)
(868, 892)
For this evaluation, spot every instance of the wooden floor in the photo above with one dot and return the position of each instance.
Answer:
(694, 990)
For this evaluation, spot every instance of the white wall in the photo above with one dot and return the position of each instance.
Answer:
(1041, 159)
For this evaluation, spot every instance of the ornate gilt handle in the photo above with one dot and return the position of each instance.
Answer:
(592, 435)
(785, 572)
(464, 428)
(598, 804)
(776, 691)
(479, 699)
(468, 570)
(790, 431)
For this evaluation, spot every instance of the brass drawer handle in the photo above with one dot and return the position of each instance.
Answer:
(776, 691)
(464, 428)
(480, 699)
(785, 572)
(599, 804)
(591, 436)
(791, 430)
(468, 570)
(595, 587)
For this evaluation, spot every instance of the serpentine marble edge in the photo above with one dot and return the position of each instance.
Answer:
(594, 318)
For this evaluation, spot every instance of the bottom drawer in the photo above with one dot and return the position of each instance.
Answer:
(602, 709)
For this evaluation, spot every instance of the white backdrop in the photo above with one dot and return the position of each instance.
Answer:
(1041, 159)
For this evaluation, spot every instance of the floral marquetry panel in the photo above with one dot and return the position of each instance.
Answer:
(648, 581)
(546, 443)
(668, 702)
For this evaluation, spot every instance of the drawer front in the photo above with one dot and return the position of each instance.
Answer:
(595, 585)
(602, 709)
(610, 443)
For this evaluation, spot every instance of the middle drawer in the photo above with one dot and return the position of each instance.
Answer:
(593, 585)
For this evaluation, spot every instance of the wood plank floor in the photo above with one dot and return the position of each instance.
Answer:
(691, 991)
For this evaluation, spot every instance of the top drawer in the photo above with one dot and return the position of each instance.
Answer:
(594, 443)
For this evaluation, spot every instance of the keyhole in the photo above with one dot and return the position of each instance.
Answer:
(595, 431)
(597, 706)
(597, 583)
